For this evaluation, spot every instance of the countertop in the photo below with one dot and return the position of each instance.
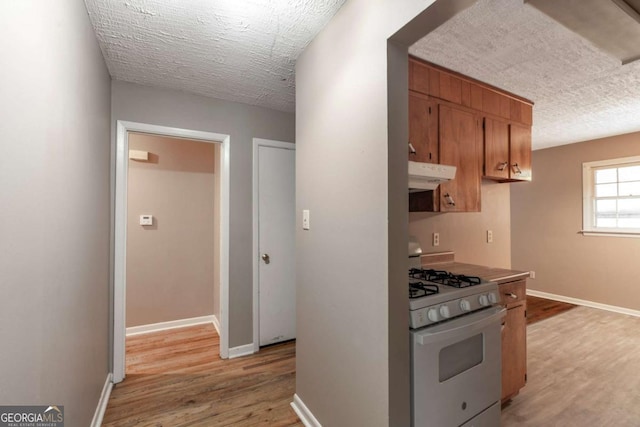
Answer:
(498, 275)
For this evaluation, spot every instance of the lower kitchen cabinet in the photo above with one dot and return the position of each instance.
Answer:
(514, 338)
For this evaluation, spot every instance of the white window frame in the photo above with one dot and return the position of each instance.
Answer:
(588, 188)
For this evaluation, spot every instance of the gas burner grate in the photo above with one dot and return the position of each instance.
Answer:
(426, 274)
(444, 278)
(462, 281)
(419, 289)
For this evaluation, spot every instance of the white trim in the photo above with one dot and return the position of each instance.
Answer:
(172, 324)
(632, 234)
(570, 300)
(120, 256)
(304, 413)
(258, 142)
(242, 350)
(216, 324)
(612, 162)
(588, 227)
(102, 402)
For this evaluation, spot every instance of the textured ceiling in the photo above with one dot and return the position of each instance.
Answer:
(580, 93)
(238, 50)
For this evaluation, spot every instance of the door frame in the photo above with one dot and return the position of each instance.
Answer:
(257, 143)
(120, 232)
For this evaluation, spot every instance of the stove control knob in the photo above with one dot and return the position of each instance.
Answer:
(432, 314)
(444, 311)
(483, 300)
(465, 305)
(493, 298)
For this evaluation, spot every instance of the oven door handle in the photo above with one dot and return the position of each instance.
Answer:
(427, 337)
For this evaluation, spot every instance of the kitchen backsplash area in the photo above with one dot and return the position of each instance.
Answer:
(467, 233)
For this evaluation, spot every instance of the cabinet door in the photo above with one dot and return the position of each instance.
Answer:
(496, 149)
(458, 146)
(514, 351)
(520, 155)
(423, 129)
(418, 76)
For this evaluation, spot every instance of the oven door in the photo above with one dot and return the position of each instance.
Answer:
(456, 369)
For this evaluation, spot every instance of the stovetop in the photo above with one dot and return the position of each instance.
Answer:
(437, 295)
(444, 277)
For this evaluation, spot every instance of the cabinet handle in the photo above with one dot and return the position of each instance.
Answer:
(512, 295)
(449, 200)
(502, 166)
(516, 169)
(412, 150)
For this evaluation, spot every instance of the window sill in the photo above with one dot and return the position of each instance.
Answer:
(635, 234)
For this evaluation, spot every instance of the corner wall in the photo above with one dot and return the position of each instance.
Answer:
(170, 264)
(546, 217)
(54, 220)
(166, 107)
(352, 351)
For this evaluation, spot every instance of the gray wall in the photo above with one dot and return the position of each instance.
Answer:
(546, 217)
(170, 264)
(54, 220)
(465, 233)
(352, 355)
(165, 107)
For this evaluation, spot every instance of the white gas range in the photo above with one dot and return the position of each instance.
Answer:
(455, 348)
(437, 295)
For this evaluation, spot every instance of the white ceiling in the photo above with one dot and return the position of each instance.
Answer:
(245, 51)
(238, 50)
(580, 93)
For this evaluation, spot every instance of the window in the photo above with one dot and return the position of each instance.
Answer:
(611, 193)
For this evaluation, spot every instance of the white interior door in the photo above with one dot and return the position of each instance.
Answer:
(276, 243)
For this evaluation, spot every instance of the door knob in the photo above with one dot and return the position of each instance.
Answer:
(265, 258)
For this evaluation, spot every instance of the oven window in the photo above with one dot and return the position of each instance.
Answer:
(458, 357)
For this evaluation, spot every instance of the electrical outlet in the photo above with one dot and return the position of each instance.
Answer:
(436, 239)
(532, 274)
(489, 236)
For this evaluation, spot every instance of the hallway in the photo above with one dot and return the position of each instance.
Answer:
(175, 378)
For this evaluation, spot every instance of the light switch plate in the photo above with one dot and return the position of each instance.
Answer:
(146, 219)
(305, 219)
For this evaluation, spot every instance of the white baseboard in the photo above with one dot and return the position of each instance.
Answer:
(163, 326)
(583, 302)
(304, 413)
(242, 350)
(216, 324)
(102, 403)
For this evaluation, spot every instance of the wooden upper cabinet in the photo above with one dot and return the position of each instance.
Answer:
(520, 152)
(458, 147)
(423, 128)
(438, 82)
(507, 151)
(496, 149)
(418, 77)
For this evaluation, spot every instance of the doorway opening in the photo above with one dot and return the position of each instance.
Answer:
(141, 225)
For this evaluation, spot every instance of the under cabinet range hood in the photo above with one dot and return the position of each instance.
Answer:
(427, 176)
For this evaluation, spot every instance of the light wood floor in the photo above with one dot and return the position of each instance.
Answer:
(583, 370)
(176, 379)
